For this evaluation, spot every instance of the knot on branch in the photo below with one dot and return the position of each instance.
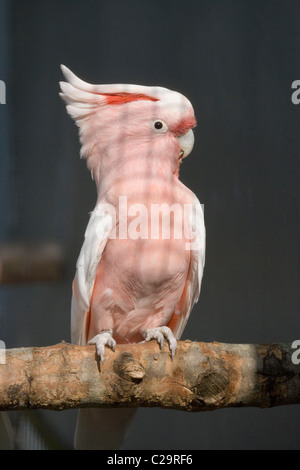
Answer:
(126, 367)
(211, 386)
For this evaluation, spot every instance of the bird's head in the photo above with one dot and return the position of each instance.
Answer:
(120, 121)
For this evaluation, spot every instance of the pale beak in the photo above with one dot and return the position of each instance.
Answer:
(186, 144)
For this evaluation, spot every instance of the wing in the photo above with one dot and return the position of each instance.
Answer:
(97, 233)
(192, 287)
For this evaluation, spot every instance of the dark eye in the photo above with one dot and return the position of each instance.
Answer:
(159, 126)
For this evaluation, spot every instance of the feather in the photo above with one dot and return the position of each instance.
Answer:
(96, 236)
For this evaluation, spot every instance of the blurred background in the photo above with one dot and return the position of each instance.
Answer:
(236, 62)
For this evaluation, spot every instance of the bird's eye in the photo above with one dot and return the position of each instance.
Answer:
(159, 126)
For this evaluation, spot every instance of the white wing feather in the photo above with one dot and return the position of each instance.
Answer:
(194, 279)
(96, 236)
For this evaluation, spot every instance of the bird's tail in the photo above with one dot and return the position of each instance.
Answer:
(6, 433)
(105, 428)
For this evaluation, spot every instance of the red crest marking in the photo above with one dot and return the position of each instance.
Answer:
(122, 98)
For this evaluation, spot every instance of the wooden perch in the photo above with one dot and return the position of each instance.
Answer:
(28, 262)
(203, 376)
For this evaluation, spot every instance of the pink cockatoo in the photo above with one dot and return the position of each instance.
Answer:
(134, 282)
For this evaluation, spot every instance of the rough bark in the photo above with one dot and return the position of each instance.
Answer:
(203, 376)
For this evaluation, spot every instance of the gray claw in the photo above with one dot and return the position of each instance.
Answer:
(101, 340)
(159, 334)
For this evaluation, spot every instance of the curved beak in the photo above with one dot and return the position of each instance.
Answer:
(186, 144)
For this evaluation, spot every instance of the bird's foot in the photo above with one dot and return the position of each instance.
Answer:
(101, 340)
(159, 334)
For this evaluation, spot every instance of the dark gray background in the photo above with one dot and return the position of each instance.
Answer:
(235, 61)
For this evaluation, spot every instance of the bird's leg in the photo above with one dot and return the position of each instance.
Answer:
(101, 340)
(159, 334)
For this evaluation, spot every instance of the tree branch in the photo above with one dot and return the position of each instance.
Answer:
(203, 376)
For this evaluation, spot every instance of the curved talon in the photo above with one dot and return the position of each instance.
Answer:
(101, 340)
(159, 334)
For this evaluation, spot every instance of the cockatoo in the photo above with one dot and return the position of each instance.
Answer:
(134, 281)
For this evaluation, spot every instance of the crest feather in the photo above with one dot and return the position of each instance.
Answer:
(83, 98)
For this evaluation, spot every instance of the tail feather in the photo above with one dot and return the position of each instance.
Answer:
(102, 429)
(6, 433)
